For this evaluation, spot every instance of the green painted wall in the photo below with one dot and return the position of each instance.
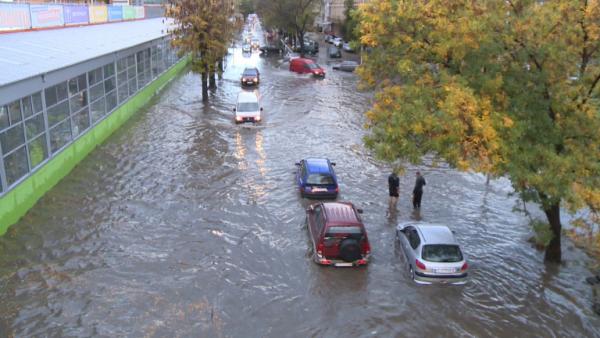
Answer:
(24, 196)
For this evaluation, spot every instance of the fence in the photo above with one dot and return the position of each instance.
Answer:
(19, 16)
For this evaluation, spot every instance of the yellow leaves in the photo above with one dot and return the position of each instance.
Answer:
(507, 121)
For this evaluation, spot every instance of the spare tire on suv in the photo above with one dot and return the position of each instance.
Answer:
(350, 250)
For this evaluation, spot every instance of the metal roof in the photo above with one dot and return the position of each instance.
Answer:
(27, 54)
(338, 212)
(317, 165)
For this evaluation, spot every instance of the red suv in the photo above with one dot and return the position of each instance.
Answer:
(338, 235)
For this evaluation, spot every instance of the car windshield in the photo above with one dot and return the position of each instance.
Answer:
(247, 107)
(250, 72)
(312, 65)
(442, 253)
(320, 179)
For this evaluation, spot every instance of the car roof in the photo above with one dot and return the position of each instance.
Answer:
(304, 60)
(317, 165)
(255, 70)
(340, 212)
(246, 96)
(435, 234)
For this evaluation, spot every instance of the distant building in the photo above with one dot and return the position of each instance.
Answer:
(332, 13)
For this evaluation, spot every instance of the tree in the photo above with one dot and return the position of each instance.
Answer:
(293, 16)
(204, 29)
(350, 22)
(246, 7)
(501, 87)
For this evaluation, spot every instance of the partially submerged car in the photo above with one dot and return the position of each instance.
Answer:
(338, 235)
(432, 253)
(316, 178)
(306, 66)
(247, 108)
(346, 66)
(250, 77)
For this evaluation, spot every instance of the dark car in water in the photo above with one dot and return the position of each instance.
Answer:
(316, 178)
(338, 235)
(250, 77)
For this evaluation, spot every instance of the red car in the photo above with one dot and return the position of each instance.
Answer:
(337, 233)
(306, 66)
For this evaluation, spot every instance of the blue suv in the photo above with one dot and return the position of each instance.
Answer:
(315, 178)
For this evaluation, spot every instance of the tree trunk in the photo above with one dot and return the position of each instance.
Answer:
(212, 82)
(204, 86)
(301, 38)
(221, 70)
(553, 251)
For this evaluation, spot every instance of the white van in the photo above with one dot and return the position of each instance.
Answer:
(247, 108)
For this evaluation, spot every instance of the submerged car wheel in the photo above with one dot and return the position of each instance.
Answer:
(412, 272)
(350, 250)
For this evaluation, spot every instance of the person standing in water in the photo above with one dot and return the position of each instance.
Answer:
(394, 190)
(418, 191)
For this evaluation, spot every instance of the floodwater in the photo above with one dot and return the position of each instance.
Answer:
(183, 224)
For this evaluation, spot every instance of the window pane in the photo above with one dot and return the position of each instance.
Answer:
(78, 101)
(109, 84)
(123, 93)
(121, 64)
(38, 151)
(81, 122)
(95, 76)
(61, 91)
(73, 86)
(26, 106)
(37, 102)
(132, 87)
(60, 135)
(111, 101)
(15, 165)
(131, 73)
(122, 78)
(34, 126)
(58, 113)
(96, 92)
(81, 82)
(109, 70)
(50, 94)
(14, 109)
(4, 117)
(12, 138)
(98, 110)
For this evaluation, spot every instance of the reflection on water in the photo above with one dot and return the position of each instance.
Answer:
(185, 224)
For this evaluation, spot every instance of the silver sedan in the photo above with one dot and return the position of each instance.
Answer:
(432, 253)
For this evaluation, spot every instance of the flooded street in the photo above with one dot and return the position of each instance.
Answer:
(183, 224)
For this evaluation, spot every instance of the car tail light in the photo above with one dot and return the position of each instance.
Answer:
(337, 189)
(420, 265)
(239, 118)
(325, 261)
(464, 267)
(320, 248)
(366, 247)
(362, 262)
(257, 118)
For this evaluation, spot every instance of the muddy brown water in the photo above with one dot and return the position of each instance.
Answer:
(183, 224)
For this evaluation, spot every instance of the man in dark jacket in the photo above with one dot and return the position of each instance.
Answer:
(418, 191)
(394, 189)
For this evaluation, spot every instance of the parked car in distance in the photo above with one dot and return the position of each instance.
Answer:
(346, 47)
(306, 66)
(338, 42)
(250, 77)
(246, 48)
(334, 52)
(311, 47)
(346, 66)
(247, 108)
(432, 253)
(255, 43)
(329, 38)
(316, 178)
(338, 235)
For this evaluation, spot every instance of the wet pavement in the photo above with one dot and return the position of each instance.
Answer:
(183, 224)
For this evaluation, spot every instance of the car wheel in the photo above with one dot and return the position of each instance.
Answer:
(350, 250)
(412, 273)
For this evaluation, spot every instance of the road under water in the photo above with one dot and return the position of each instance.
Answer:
(183, 224)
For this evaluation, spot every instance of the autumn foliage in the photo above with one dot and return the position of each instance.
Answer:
(510, 88)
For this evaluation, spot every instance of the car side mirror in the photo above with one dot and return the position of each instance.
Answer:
(360, 211)
(234, 109)
(332, 163)
(261, 108)
(297, 163)
(310, 208)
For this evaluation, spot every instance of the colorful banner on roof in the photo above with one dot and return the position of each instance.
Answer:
(14, 16)
(98, 14)
(75, 14)
(115, 13)
(139, 12)
(46, 15)
(128, 12)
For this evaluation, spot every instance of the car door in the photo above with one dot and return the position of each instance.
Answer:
(414, 243)
(316, 225)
